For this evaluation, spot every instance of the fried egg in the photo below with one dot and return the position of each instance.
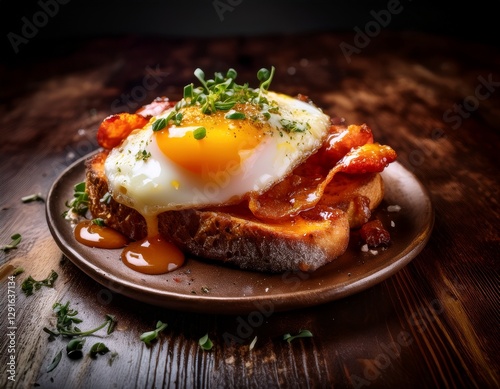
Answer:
(214, 159)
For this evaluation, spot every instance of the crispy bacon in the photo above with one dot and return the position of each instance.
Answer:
(303, 189)
(374, 234)
(115, 128)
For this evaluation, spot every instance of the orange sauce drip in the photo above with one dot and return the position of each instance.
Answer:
(103, 237)
(152, 255)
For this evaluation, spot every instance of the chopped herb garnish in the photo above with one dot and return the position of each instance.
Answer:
(66, 320)
(252, 345)
(301, 334)
(148, 337)
(80, 202)
(98, 348)
(17, 271)
(144, 155)
(55, 362)
(205, 343)
(98, 221)
(200, 133)
(234, 115)
(16, 239)
(32, 197)
(30, 285)
(293, 126)
(74, 348)
(159, 124)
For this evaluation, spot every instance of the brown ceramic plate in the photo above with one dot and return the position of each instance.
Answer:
(204, 286)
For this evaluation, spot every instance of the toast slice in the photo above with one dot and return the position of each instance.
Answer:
(233, 236)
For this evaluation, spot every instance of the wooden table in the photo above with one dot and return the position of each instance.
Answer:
(433, 324)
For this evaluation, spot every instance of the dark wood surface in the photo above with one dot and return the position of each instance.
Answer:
(433, 324)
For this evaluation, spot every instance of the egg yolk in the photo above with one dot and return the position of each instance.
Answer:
(152, 255)
(223, 145)
(93, 235)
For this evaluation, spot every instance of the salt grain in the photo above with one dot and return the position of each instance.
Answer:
(393, 208)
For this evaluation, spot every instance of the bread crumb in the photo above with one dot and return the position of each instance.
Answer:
(267, 290)
(364, 248)
(373, 252)
(393, 224)
(393, 208)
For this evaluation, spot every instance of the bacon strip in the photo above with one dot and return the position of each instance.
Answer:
(303, 189)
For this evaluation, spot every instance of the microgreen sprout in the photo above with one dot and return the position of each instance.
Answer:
(30, 285)
(16, 239)
(301, 334)
(149, 336)
(205, 343)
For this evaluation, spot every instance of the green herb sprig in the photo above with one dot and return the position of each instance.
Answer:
(30, 285)
(32, 197)
(301, 334)
(150, 336)
(79, 204)
(205, 343)
(65, 327)
(16, 239)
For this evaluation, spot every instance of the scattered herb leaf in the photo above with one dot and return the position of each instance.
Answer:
(252, 345)
(17, 271)
(98, 348)
(159, 124)
(205, 343)
(32, 197)
(74, 348)
(293, 126)
(235, 115)
(55, 362)
(30, 285)
(16, 239)
(200, 133)
(301, 334)
(148, 337)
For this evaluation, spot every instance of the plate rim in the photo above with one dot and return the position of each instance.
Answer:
(230, 305)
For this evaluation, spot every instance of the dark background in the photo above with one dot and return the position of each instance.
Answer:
(76, 19)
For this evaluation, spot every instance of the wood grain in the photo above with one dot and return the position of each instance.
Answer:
(434, 324)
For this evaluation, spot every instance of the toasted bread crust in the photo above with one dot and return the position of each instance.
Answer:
(236, 238)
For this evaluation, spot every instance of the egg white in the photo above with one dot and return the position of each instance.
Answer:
(154, 184)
